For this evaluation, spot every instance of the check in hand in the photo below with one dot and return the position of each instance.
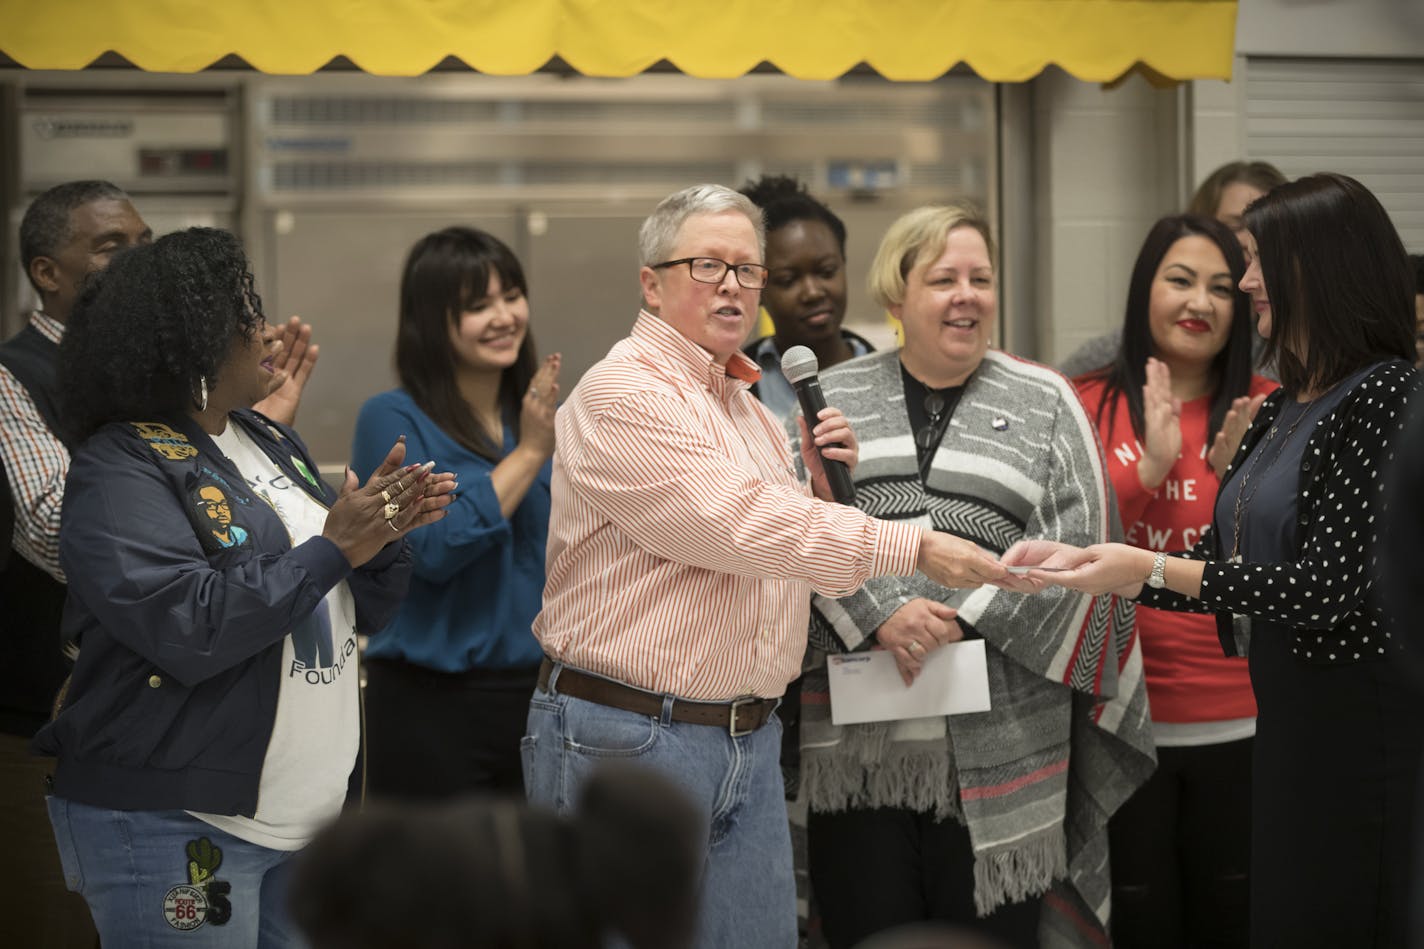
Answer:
(1101, 568)
(955, 562)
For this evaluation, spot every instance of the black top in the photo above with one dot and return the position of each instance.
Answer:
(1324, 590)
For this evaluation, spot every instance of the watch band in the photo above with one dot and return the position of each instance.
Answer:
(1157, 579)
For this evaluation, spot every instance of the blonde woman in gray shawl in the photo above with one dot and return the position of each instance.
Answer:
(992, 820)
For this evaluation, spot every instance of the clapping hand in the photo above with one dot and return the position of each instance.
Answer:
(394, 501)
(541, 401)
(1233, 428)
(293, 366)
(1162, 426)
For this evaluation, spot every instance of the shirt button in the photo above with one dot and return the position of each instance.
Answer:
(154, 681)
(1303, 519)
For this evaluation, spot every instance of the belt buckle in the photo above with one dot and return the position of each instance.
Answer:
(732, 720)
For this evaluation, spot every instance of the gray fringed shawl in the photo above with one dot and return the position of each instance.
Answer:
(1068, 738)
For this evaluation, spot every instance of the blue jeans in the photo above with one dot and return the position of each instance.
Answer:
(748, 894)
(156, 879)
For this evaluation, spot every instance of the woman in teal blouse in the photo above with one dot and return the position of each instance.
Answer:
(449, 680)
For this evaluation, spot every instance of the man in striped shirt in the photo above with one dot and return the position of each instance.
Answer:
(683, 551)
(67, 233)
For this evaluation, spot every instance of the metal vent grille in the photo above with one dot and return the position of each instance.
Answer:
(381, 110)
(636, 113)
(968, 176)
(328, 176)
(674, 175)
(1361, 118)
(882, 111)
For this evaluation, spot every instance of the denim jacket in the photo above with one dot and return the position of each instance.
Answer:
(180, 617)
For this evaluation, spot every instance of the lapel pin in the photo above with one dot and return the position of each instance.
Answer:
(1000, 424)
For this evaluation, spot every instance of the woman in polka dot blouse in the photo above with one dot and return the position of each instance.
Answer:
(1288, 568)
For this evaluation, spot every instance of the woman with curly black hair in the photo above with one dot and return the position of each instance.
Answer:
(449, 680)
(805, 295)
(216, 586)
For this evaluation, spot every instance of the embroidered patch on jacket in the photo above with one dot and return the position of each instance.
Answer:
(212, 511)
(170, 444)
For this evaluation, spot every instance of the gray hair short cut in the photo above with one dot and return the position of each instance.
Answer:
(919, 235)
(44, 229)
(659, 232)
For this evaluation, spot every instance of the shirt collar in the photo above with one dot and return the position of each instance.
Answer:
(49, 327)
(656, 332)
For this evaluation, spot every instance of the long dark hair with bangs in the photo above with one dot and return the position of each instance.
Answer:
(1339, 281)
(1127, 374)
(444, 274)
(153, 326)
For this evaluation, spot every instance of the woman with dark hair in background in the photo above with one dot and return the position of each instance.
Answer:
(805, 295)
(1226, 192)
(1181, 844)
(1289, 564)
(1223, 196)
(449, 680)
(216, 587)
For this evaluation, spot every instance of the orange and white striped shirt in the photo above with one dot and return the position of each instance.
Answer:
(682, 547)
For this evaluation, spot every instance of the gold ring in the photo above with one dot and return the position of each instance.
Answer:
(385, 496)
(391, 510)
(915, 644)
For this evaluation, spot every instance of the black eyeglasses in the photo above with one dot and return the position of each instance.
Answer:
(712, 270)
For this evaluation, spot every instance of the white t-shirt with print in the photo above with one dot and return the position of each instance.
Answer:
(318, 725)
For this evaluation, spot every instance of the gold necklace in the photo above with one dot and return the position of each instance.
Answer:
(1242, 498)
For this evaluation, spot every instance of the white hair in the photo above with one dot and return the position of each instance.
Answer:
(659, 232)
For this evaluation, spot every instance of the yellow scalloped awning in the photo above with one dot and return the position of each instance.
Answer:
(1001, 40)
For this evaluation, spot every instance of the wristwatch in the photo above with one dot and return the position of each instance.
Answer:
(1157, 579)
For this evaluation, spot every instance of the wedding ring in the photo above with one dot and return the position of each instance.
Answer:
(385, 496)
(391, 510)
(534, 392)
(915, 645)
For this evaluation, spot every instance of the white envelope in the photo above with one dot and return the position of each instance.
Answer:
(866, 686)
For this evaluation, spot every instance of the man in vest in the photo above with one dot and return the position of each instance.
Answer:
(69, 232)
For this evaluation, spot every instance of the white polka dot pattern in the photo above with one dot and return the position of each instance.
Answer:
(1325, 594)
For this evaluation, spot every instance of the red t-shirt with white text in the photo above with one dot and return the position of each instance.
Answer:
(1188, 678)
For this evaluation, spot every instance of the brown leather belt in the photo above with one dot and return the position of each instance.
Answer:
(740, 716)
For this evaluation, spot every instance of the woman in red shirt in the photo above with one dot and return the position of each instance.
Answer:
(1170, 411)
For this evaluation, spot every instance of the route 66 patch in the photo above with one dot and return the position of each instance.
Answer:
(185, 907)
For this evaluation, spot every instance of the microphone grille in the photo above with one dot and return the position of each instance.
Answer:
(799, 363)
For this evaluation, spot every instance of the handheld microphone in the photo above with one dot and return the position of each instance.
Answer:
(800, 367)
